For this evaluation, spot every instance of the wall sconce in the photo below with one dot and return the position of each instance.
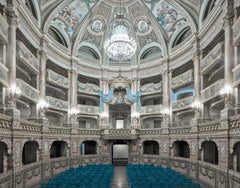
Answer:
(104, 117)
(14, 92)
(135, 117)
(73, 113)
(226, 94)
(42, 106)
(196, 106)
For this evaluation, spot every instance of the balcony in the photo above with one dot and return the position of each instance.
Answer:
(27, 59)
(27, 91)
(88, 110)
(212, 91)
(236, 76)
(151, 88)
(151, 109)
(57, 103)
(213, 57)
(182, 104)
(183, 79)
(57, 79)
(3, 30)
(116, 134)
(3, 75)
(236, 32)
(87, 88)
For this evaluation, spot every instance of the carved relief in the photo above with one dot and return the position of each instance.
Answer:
(212, 90)
(151, 88)
(183, 79)
(57, 79)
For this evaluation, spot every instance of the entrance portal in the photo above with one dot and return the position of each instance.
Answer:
(120, 153)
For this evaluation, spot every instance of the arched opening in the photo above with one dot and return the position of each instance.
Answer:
(58, 149)
(89, 148)
(181, 149)
(120, 153)
(29, 153)
(236, 156)
(210, 152)
(150, 147)
(3, 157)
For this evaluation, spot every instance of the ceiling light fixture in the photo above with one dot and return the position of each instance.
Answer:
(120, 46)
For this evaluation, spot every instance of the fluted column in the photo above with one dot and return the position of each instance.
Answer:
(228, 66)
(11, 65)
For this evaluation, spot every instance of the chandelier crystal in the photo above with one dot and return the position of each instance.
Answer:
(120, 46)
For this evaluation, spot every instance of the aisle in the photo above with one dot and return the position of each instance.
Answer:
(120, 178)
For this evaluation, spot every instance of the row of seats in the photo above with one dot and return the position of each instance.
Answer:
(150, 176)
(90, 176)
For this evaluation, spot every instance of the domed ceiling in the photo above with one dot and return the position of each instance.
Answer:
(82, 26)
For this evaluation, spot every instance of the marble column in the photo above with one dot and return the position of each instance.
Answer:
(42, 87)
(135, 116)
(104, 115)
(166, 77)
(11, 65)
(228, 66)
(3, 51)
(237, 89)
(73, 98)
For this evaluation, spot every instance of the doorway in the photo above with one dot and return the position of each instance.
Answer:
(120, 153)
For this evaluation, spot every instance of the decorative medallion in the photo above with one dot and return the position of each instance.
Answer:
(142, 26)
(97, 25)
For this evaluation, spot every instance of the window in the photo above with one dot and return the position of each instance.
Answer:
(119, 124)
(89, 148)
(29, 153)
(210, 152)
(150, 148)
(58, 149)
(181, 149)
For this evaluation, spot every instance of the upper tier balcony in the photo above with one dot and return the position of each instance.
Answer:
(151, 88)
(57, 79)
(214, 56)
(212, 91)
(3, 30)
(87, 88)
(57, 103)
(88, 110)
(116, 134)
(182, 104)
(26, 58)
(27, 90)
(3, 75)
(151, 109)
(183, 79)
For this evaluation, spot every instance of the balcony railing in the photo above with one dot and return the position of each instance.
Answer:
(89, 110)
(183, 79)
(3, 30)
(114, 134)
(87, 88)
(151, 88)
(57, 79)
(151, 109)
(3, 75)
(27, 91)
(57, 103)
(25, 56)
(212, 91)
(213, 57)
(182, 103)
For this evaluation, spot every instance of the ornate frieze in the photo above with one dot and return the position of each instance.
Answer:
(209, 126)
(151, 88)
(89, 132)
(182, 103)
(25, 56)
(147, 132)
(236, 31)
(60, 130)
(87, 109)
(151, 109)
(31, 127)
(87, 88)
(180, 130)
(5, 122)
(183, 79)
(212, 90)
(57, 79)
(27, 90)
(57, 103)
(213, 57)
(236, 76)
(3, 29)
(3, 75)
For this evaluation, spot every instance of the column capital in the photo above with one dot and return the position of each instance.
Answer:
(12, 17)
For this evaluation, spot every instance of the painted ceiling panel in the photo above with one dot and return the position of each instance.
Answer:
(166, 14)
(72, 15)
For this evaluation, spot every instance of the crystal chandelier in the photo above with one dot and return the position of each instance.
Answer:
(120, 46)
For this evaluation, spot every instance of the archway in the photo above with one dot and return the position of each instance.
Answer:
(120, 153)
